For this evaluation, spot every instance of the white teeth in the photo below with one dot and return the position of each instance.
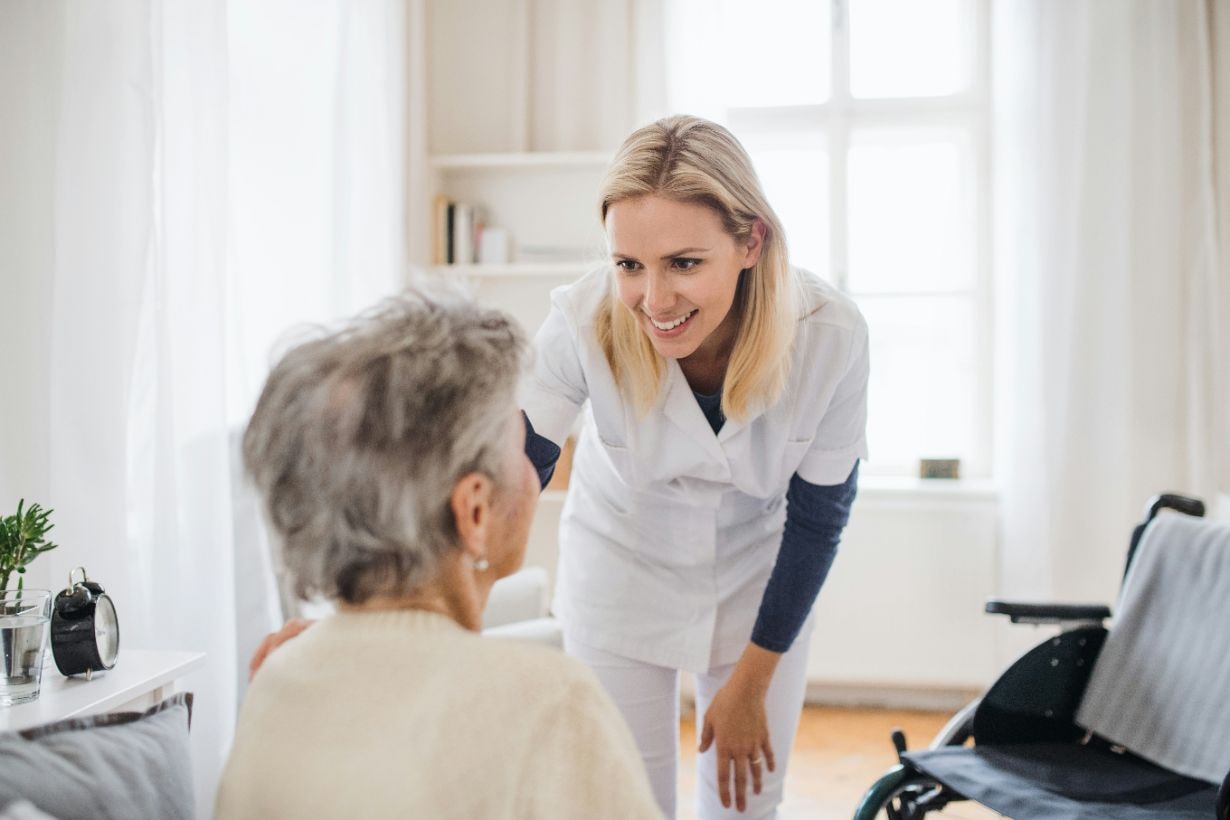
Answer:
(674, 324)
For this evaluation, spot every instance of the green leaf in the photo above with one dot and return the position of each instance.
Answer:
(23, 537)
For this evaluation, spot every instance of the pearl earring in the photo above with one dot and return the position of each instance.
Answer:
(481, 565)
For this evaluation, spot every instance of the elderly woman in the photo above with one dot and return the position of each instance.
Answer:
(391, 460)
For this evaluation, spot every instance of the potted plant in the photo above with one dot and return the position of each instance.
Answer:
(23, 537)
(24, 613)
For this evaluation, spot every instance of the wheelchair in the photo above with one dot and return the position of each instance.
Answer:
(1022, 750)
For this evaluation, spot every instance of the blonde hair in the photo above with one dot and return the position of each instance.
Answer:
(688, 159)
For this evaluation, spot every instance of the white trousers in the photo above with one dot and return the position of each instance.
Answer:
(648, 697)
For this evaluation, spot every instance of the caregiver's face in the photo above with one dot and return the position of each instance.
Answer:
(676, 270)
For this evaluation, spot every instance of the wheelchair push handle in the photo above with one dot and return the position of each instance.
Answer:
(1166, 501)
(1173, 501)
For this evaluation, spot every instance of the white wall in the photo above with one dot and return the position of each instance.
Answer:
(903, 607)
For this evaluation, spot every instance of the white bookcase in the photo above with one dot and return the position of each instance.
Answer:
(548, 209)
(546, 201)
(525, 107)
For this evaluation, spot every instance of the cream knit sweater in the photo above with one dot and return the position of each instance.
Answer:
(406, 714)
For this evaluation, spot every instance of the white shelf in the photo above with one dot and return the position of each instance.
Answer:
(882, 487)
(137, 672)
(552, 270)
(539, 159)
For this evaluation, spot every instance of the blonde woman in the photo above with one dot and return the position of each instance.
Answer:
(727, 398)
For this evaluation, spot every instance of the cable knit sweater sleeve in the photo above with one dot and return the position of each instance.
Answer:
(583, 733)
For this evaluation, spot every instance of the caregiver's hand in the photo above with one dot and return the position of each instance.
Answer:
(275, 639)
(736, 721)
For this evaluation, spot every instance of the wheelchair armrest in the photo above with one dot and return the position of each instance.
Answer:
(1020, 612)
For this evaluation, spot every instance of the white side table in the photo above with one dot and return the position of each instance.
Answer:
(140, 679)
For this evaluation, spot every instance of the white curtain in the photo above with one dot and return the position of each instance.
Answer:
(124, 112)
(317, 210)
(181, 181)
(1113, 286)
(316, 170)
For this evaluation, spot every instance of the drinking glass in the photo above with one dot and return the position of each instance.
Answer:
(24, 616)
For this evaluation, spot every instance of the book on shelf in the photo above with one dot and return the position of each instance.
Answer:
(450, 236)
(439, 230)
(463, 235)
(456, 231)
(492, 245)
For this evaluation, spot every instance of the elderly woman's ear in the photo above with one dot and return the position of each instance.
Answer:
(471, 502)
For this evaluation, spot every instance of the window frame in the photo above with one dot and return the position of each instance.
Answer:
(968, 112)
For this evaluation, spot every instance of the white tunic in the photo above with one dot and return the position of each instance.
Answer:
(669, 532)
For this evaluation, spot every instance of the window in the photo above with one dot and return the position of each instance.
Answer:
(867, 122)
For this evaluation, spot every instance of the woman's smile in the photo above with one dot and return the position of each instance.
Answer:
(670, 328)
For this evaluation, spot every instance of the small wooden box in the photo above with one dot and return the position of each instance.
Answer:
(939, 468)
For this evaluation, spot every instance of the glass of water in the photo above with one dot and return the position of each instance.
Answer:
(24, 615)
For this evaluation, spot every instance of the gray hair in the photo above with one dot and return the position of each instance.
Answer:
(359, 437)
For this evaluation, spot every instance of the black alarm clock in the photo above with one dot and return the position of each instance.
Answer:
(85, 634)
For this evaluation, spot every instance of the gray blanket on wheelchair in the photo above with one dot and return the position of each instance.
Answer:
(1161, 685)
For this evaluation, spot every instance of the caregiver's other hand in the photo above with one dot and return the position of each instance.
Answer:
(736, 721)
(275, 639)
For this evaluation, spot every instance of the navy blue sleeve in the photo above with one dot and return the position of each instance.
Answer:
(541, 451)
(815, 518)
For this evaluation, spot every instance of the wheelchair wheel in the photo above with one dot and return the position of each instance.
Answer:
(901, 794)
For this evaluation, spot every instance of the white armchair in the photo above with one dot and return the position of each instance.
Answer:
(518, 609)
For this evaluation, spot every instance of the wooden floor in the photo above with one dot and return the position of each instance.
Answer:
(837, 754)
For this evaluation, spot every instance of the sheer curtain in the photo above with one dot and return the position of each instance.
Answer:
(316, 218)
(181, 181)
(124, 109)
(1113, 285)
(316, 169)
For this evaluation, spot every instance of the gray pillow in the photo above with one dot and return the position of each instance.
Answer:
(23, 810)
(122, 766)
